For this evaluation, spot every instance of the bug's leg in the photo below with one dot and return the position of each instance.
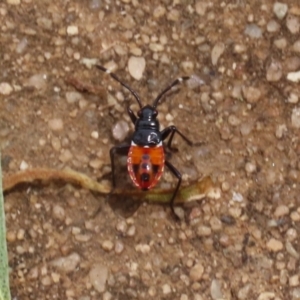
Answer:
(121, 150)
(178, 176)
(131, 115)
(171, 130)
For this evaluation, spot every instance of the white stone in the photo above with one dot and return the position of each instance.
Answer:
(13, 2)
(280, 10)
(23, 165)
(72, 30)
(98, 277)
(295, 118)
(5, 88)
(216, 52)
(136, 67)
(293, 76)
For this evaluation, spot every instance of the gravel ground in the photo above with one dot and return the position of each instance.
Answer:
(67, 243)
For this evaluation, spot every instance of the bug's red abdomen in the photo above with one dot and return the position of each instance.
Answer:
(145, 165)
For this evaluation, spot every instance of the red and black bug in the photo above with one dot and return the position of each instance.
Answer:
(146, 155)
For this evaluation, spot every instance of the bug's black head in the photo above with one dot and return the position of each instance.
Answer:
(148, 112)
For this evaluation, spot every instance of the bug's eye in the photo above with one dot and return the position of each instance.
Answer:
(155, 113)
(139, 113)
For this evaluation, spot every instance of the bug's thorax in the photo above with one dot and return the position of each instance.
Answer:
(147, 119)
(147, 128)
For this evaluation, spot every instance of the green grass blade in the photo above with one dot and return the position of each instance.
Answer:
(4, 276)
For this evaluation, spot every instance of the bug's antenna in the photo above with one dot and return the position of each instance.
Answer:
(175, 82)
(114, 76)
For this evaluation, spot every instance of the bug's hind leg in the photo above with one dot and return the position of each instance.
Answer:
(178, 176)
(121, 150)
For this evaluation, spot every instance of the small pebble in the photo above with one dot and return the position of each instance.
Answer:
(201, 7)
(296, 46)
(152, 291)
(131, 230)
(215, 223)
(120, 130)
(250, 167)
(55, 143)
(294, 280)
(266, 296)
(98, 276)
(293, 98)
(292, 63)
(136, 67)
(106, 296)
(187, 66)
(46, 281)
(73, 97)
(293, 76)
(119, 247)
(143, 248)
(56, 124)
(253, 31)
(96, 163)
(281, 211)
(76, 230)
(234, 120)
(72, 30)
(280, 130)
(203, 230)
(83, 238)
(20, 234)
(244, 292)
(159, 11)
(13, 2)
(122, 226)
(196, 272)
(216, 52)
(107, 245)
(280, 10)
(293, 24)
(295, 118)
(67, 263)
(237, 197)
(37, 81)
(65, 156)
(235, 212)
(252, 94)
(23, 165)
(11, 236)
(55, 277)
(5, 88)
(156, 47)
(274, 71)
(215, 290)
(166, 289)
(295, 294)
(291, 250)
(295, 216)
(281, 43)
(58, 212)
(273, 26)
(274, 245)
(173, 15)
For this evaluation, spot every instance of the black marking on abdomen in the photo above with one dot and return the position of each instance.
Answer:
(145, 177)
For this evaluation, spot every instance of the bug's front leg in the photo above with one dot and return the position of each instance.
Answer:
(171, 130)
(121, 150)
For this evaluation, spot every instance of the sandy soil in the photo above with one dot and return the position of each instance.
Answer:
(65, 242)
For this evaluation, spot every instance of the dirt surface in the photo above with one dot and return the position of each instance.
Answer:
(65, 242)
